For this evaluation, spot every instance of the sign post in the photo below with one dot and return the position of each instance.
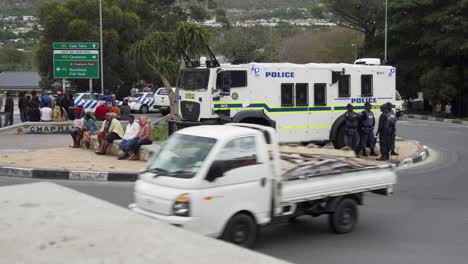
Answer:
(76, 60)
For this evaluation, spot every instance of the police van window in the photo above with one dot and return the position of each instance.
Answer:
(238, 79)
(344, 86)
(302, 94)
(366, 85)
(287, 94)
(193, 79)
(320, 96)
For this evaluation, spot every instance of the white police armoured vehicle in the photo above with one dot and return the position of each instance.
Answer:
(302, 102)
(142, 102)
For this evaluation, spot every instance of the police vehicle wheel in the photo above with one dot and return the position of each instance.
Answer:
(241, 230)
(144, 109)
(340, 141)
(344, 219)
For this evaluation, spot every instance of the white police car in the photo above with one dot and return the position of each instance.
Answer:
(90, 101)
(142, 102)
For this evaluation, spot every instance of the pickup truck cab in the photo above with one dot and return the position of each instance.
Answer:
(227, 181)
(161, 101)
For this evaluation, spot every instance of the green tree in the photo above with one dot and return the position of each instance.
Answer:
(360, 15)
(428, 44)
(77, 20)
(197, 13)
(244, 45)
(15, 60)
(161, 51)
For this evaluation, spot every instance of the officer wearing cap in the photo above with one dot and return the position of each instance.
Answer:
(351, 123)
(383, 133)
(392, 121)
(366, 125)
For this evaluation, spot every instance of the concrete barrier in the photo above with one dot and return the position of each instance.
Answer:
(53, 224)
(43, 128)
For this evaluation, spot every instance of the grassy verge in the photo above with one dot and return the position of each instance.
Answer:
(160, 132)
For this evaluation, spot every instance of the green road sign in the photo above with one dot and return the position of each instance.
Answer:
(76, 45)
(76, 64)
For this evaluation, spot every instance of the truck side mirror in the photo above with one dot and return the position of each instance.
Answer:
(217, 170)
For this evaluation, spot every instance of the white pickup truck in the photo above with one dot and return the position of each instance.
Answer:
(228, 181)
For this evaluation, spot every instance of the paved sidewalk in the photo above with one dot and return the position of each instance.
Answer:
(15, 143)
(69, 159)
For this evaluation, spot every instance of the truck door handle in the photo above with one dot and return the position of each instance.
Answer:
(263, 182)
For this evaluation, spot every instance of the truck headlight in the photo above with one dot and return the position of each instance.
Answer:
(181, 205)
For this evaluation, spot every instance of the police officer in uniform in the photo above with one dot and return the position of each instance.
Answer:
(383, 133)
(351, 123)
(366, 125)
(392, 121)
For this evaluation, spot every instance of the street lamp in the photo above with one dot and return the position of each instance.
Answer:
(101, 47)
(355, 51)
(386, 29)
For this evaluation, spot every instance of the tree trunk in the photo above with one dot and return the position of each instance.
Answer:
(173, 97)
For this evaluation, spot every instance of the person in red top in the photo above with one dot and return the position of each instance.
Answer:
(79, 111)
(101, 111)
(144, 138)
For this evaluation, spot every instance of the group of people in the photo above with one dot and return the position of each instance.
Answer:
(446, 111)
(35, 109)
(122, 112)
(135, 135)
(360, 130)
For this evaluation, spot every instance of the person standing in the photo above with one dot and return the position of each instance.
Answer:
(351, 124)
(367, 124)
(35, 101)
(34, 113)
(392, 121)
(1, 106)
(438, 108)
(9, 109)
(130, 138)
(23, 107)
(45, 100)
(383, 134)
(125, 110)
(448, 110)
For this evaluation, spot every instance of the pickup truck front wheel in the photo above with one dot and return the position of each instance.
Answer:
(345, 216)
(241, 230)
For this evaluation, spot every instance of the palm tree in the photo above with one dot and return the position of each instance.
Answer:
(162, 53)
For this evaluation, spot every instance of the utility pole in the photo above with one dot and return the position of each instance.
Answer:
(354, 51)
(386, 30)
(101, 47)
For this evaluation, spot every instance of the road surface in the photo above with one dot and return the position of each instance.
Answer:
(424, 222)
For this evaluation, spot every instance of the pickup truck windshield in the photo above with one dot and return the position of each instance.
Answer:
(182, 156)
(194, 79)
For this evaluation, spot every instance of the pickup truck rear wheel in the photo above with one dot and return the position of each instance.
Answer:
(241, 230)
(345, 216)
